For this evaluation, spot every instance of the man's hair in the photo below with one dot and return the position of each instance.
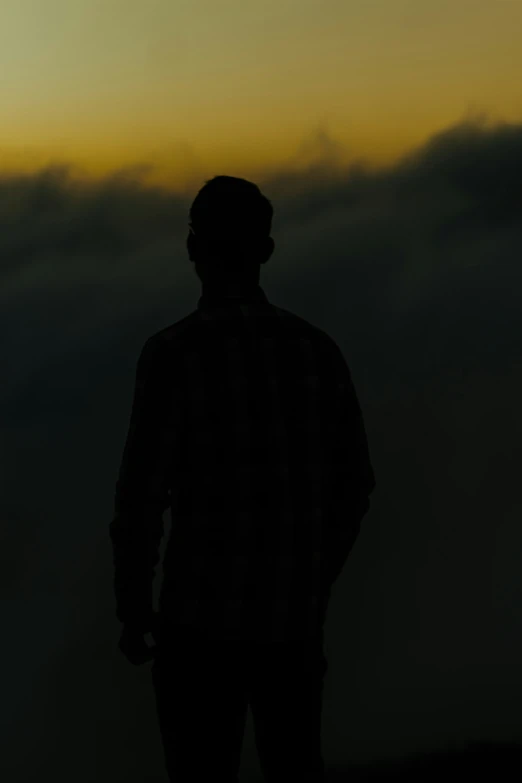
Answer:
(231, 214)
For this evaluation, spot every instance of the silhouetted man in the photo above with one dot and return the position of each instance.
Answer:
(246, 423)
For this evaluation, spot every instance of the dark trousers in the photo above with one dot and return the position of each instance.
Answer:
(203, 688)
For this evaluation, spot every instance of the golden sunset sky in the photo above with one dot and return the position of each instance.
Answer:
(200, 87)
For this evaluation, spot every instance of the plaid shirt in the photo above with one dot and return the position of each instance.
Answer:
(245, 423)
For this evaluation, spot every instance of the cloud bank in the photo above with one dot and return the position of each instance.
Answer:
(415, 271)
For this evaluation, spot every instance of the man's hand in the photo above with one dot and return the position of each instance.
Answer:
(135, 647)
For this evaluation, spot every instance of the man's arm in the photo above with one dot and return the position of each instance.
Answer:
(353, 479)
(142, 495)
(341, 542)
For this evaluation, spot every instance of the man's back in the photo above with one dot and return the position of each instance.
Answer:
(268, 456)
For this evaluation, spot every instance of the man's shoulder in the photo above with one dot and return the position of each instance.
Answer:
(174, 331)
(305, 328)
(179, 332)
(171, 335)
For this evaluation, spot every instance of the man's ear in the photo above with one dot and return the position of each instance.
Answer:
(270, 246)
(190, 245)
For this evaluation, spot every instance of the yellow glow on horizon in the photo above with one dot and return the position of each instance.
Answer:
(198, 87)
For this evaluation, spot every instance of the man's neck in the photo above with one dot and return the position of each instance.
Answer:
(228, 289)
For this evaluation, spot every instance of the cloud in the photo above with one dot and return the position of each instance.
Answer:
(414, 269)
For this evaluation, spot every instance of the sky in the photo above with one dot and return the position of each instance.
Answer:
(411, 264)
(181, 87)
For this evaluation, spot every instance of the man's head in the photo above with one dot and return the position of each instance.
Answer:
(229, 237)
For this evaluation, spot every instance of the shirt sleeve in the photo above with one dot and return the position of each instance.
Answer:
(353, 478)
(142, 494)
